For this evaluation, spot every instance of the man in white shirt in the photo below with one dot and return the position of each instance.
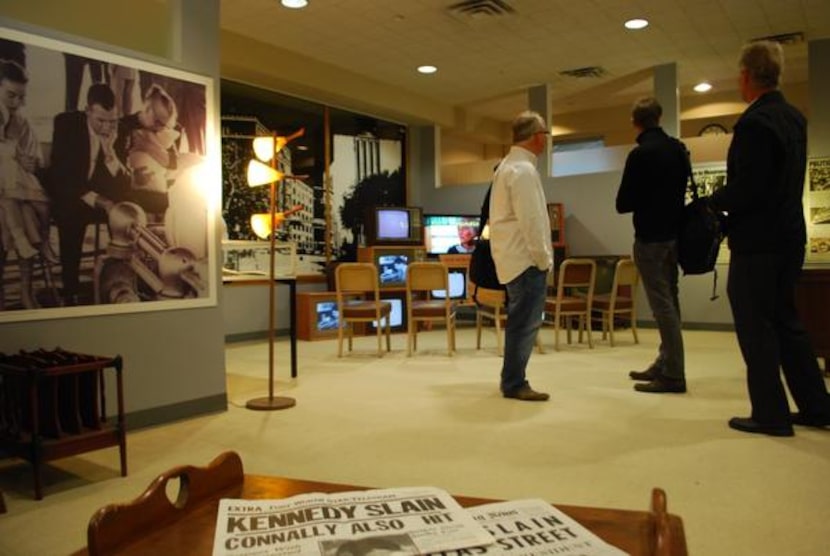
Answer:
(521, 246)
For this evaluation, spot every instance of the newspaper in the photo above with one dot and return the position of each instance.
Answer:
(412, 520)
(534, 528)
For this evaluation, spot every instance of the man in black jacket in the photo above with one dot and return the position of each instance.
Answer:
(653, 188)
(766, 232)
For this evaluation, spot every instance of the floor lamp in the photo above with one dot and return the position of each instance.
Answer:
(266, 225)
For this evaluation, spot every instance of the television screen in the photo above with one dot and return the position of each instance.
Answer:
(450, 233)
(458, 285)
(392, 269)
(396, 316)
(327, 315)
(392, 224)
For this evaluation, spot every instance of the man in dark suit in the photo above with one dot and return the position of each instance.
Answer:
(87, 177)
(764, 185)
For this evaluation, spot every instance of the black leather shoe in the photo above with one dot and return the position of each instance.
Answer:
(527, 394)
(648, 375)
(818, 422)
(662, 385)
(747, 424)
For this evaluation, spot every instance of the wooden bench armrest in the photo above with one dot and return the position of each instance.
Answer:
(118, 525)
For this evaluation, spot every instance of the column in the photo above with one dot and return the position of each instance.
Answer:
(668, 95)
(538, 100)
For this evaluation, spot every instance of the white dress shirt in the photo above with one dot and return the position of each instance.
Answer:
(519, 222)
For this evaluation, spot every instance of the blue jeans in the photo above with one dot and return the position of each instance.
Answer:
(525, 305)
(657, 263)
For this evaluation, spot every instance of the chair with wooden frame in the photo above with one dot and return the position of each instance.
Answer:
(422, 278)
(575, 280)
(621, 300)
(492, 305)
(113, 528)
(361, 278)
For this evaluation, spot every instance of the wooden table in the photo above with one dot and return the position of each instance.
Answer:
(643, 533)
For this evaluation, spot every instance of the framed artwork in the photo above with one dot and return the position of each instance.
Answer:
(817, 209)
(708, 179)
(108, 186)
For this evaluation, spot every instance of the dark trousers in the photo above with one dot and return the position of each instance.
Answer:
(761, 291)
(71, 232)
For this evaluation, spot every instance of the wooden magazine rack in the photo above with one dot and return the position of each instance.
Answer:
(53, 405)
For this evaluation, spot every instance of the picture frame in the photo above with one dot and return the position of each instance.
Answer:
(146, 241)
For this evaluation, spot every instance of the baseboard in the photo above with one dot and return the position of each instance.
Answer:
(185, 410)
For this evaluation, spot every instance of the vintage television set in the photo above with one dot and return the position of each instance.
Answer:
(397, 318)
(392, 263)
(442, 232)
(393, 226)
(458, 285)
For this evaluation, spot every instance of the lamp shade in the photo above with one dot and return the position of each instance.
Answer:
(264, 148)
(262, 174)
(261, 223)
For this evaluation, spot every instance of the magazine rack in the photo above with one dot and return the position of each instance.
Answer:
(53, 405)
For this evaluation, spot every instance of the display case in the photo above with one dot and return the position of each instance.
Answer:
(249, 260)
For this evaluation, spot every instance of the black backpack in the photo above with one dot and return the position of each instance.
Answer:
(482, 267)
(701, 233)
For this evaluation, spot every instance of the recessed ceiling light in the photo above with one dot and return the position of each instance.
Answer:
(294, 4)
(703, 87)
(636, 24)
(427, 69)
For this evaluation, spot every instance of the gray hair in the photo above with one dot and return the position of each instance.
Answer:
(526, 124)
(763, 61)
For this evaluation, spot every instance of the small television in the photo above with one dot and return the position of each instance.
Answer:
(446, 233)
(397, 318)
(327, 315)
(392, 269)
(458, 285)
(393, 226)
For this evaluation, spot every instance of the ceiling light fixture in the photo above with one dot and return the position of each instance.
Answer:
(294, 4)
(703, 87)
(635, 24)
(427, 69)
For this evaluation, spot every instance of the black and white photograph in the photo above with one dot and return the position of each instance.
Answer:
(106, 199)
(708, 178)
(818, 171)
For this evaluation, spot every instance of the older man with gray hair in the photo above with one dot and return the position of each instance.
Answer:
(520, 240)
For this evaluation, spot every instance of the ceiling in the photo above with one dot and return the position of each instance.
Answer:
(491, 51)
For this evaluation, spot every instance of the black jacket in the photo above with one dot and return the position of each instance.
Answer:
(765, 178)
(653, 185)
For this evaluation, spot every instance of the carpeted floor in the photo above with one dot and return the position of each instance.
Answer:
(435, 420)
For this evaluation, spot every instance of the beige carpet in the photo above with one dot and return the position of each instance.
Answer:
(434, 420)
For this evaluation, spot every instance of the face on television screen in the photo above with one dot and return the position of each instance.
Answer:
(458, 286)
(327, 315)
(392, 269)
(396, 316)
(393, 224)
(450, 234)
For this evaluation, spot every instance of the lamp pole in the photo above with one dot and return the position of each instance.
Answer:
(271, 402)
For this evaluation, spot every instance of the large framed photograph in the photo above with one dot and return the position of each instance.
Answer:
(108, 184)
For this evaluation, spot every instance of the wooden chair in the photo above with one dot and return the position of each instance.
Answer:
(114, 527)
(575, 280)
(621, 300)
(360, 278)
(492, 305)
(422, 278)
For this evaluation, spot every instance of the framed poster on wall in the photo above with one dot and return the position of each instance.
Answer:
(108, 183)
